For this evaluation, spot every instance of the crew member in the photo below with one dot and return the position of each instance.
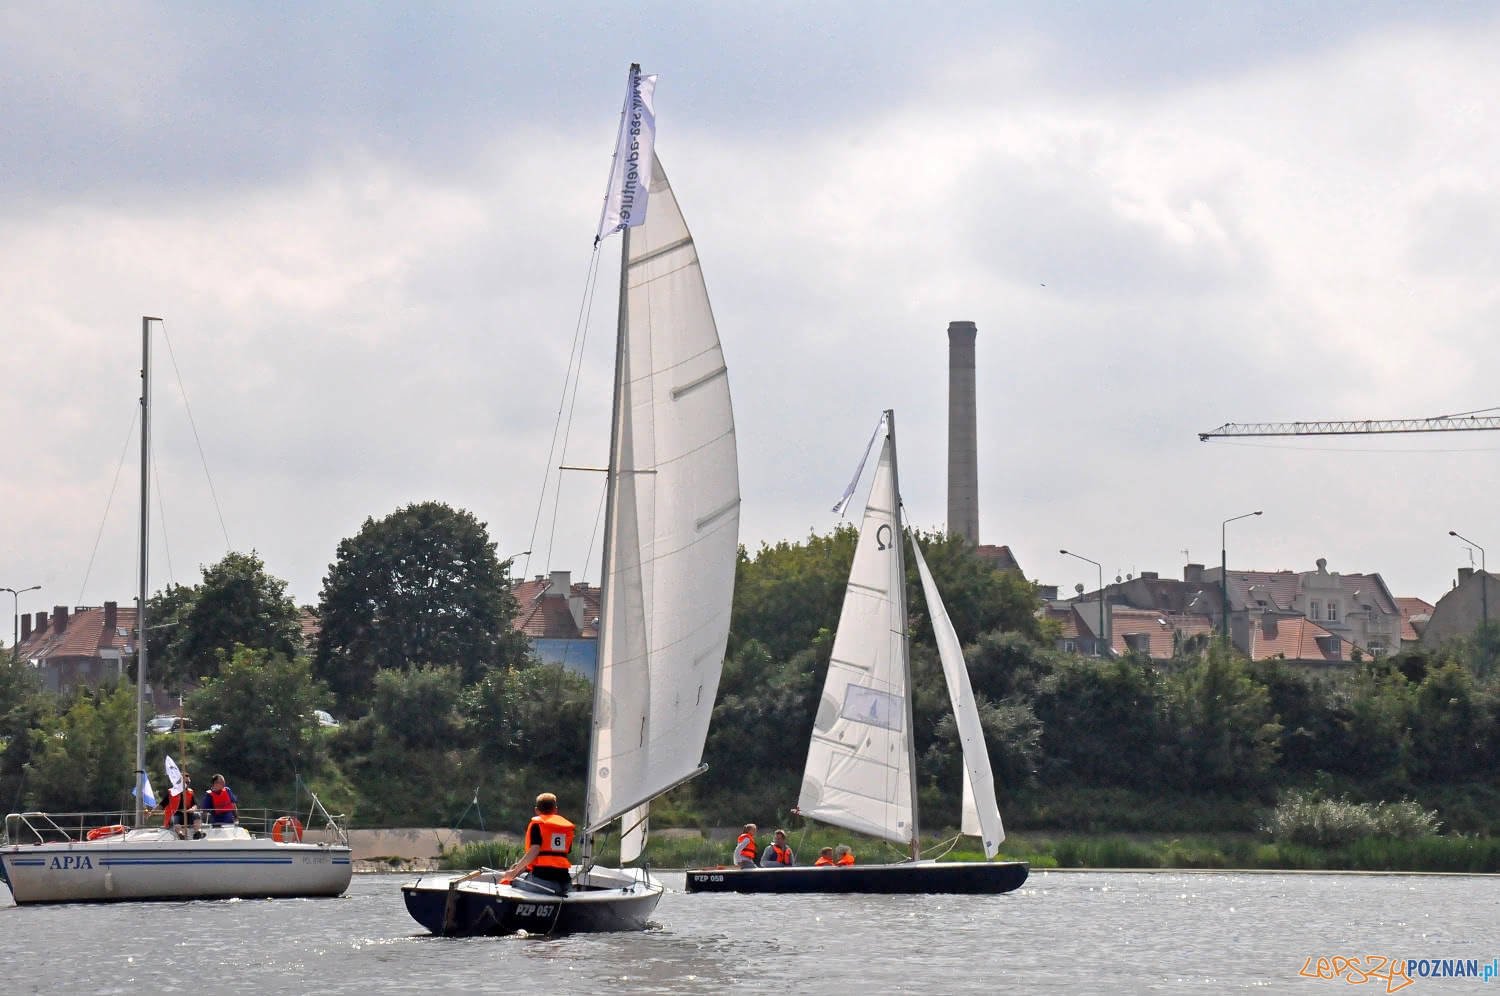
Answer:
(843, 856)
(549, 838)
(222, 802)
(825, 858)
(744, 849)
(778, 853)
(182, 808)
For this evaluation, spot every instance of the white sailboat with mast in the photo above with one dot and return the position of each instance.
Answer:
(861, 762)
(98, 857)
(671, 541)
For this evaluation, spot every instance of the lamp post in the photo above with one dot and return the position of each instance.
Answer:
(1484, 580)
(1103, 637)
(15, 616)
(1224, 571)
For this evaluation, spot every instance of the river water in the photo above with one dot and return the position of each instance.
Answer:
(1074, 932)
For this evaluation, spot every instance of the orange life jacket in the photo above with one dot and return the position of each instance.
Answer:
(749, 851)
(557, 841)
(822, 862)
(781, 855)
(847, 859)
(183, 800)
(219, 800)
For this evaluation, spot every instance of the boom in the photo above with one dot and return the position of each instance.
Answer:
(1354, 427)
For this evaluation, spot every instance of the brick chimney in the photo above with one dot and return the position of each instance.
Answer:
(25, 627)
(1150, 576)
(111, 618)
(1464, 573)
(41, 621)
(963, 435)
(1268, 626)
(60, 618)
(1193, 573)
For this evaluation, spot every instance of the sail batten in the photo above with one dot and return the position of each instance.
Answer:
(673, 532)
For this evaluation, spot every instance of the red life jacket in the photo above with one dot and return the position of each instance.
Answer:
(183, 800)
(847, 859)
(823, 862)
(219, 800)
(557, 841)
(749, 851)
(781, 855)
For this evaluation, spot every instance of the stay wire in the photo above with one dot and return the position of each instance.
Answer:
(129, 435)
(573, 404)
(202, 458)
(161, 515)
(588, 558)
(541, 498)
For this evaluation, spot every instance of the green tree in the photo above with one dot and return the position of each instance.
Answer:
(264, 703)
(82, 758)
(420, 587)
(978, 598)
(238, 604)
(1227, 734)
(22, 708)
(1105, 722)
(1450, 738)
(418, 707)
(789, 593)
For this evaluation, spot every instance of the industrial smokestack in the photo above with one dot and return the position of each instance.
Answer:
(963, 435)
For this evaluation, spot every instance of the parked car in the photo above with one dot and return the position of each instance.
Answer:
(169, 724)
(325, 720)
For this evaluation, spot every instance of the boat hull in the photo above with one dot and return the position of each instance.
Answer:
(121, 869)
(914, 878)
(448, 905)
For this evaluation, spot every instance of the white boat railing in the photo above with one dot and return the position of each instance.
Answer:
(320, 827)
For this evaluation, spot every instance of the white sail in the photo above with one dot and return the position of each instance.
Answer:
(634, 827)
(858, 773)
(673, 525)
(979, 783)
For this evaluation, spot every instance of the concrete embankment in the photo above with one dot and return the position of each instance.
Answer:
(411, 848)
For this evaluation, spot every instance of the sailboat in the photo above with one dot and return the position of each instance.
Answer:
(671, 538)
(861, 761)
(62, 858)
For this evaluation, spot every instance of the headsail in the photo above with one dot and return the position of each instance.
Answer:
(673, 523)
(981, 816)
(634, 827)
(858, 771)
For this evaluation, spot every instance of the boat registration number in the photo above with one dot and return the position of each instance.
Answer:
(708, 878)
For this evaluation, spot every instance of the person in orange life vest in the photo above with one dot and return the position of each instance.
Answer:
(744, 848)
(182, 808)
(222, 802)
(844, 855)
(825, 858)
(549, 838)
(778, 853)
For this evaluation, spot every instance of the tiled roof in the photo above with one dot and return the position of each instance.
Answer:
(545, 616)
(1279, 589)
(311, 627)
(1156, 626)
(1411, 606)
(1065, 615)
(998, 557)
(1296, 638)
(83, 636)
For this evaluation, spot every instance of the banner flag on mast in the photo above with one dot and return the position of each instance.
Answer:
(629, 176)
(842, 504)
(149, 798)
(174, 776)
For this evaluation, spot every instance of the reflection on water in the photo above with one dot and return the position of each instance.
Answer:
(1074, 932)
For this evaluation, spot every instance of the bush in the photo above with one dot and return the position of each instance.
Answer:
(1304, 818)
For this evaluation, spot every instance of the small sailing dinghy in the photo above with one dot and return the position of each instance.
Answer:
(861, 763)
(671, 538)
(108, 857)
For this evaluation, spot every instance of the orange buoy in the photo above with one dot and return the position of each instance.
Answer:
(99, 833)
(280, 827)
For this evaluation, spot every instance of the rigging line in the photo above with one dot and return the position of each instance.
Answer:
(573, 404)
(541, 498)
(201, 457)
(129, 434)
(1477, 411)
(161, 513)
(588, 558)
(1360, 449)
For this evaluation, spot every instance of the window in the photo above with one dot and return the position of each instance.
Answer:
(1315, 610)
(1068, 646)
(1333, 611)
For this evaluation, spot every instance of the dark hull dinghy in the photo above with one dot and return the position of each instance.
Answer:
(986, 878)
(475, 905)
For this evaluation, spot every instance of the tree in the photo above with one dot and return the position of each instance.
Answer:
(420, 587)
(418, 707)
(790, 592)
(978, 598)
(1227, 734)
(82, 758)
(264, 703)
(190, 630)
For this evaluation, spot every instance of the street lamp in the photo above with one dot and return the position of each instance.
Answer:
(1224, 571)
(1102, 636)
(15, 614)
(1484, 583)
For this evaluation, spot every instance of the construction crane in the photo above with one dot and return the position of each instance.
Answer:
(1462, 422)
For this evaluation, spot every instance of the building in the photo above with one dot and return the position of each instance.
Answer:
(561, 619)
(1357, 608)
(1415, 613)
(1459, 612)
(87, 644)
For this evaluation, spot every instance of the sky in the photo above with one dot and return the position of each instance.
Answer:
(368, 226)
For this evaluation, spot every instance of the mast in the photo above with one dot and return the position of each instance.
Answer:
(140, 610)
(611, 476)
(900, 552)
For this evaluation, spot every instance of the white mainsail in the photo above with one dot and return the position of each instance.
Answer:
(981, 815)
(858, 773)
(673, 524)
